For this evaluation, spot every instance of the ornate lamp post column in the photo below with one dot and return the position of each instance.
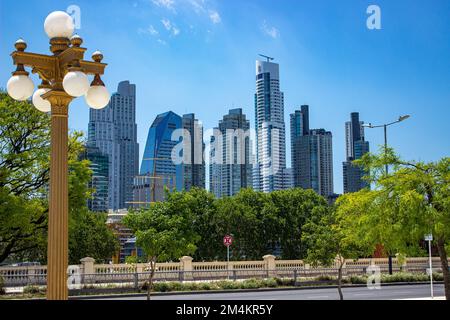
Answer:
(64, 77)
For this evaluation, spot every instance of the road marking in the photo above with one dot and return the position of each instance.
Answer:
(363, 294)
(317, 297)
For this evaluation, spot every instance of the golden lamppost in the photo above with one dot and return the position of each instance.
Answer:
(64, 77)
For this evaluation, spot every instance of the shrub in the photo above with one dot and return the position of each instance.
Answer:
(250, 284)
(270, 283)
(2, 286)
(159, 286)
(30, 289)
(192, 286)
(228, 285)
(205, 286)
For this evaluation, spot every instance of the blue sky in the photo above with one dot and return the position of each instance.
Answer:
(199, 56)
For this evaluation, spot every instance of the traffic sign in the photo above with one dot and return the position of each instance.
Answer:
(429, 237)
(227, 240)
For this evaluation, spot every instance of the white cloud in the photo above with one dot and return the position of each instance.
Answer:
(198, 7)
(214, 16)
(175, 31)
(150, 31)
(160, 41)
(270, 31)
(166, 24)
(170, 27)
(168, 4)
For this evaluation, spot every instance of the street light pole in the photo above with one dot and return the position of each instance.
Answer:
(64, 77)
(400, 119)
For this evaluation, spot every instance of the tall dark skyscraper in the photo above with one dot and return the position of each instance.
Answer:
(230, 165)
(312, 155)
(113, 131)
(194, 147)
(356, 147)
(299, 129)
(100, 178)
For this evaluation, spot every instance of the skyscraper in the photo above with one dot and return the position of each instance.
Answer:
(299, 128)
(312, 155)
(158, 170)
(356, 147)
(270, 129)
(113, 131)
(194, 147)
(230, 164)
(99, 180)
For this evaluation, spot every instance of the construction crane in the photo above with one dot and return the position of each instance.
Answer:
(266, 57)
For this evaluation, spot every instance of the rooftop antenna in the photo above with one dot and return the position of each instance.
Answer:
(266, 57)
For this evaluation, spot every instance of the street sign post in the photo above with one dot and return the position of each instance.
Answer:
(429, 238)
(227, 241)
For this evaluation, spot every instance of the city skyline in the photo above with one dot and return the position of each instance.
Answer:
(400, 69)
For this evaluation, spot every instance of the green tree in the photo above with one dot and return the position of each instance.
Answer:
(164, 231)
(293, 209)
(326, 236)
(411, 201)
(24, 177)
(24, 155)
(89, 236)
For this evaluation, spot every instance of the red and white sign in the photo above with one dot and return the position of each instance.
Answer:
(227, 240)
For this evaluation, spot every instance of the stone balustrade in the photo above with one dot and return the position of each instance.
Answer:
(186, 267)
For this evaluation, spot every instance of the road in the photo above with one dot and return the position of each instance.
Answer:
(359, 293)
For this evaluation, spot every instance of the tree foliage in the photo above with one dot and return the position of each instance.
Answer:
(406, 204)
(163, 231)
(24, 178)
(329, 242)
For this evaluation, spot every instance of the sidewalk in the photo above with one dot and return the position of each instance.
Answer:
(425, 298)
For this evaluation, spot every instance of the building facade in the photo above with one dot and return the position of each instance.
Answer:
(193, 150)
(113, 131)
(230, 155)
(312, 155)
(158, 170)
(270, 129)
(356, 147)
(99, 164)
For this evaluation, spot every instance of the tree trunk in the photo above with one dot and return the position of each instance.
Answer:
(152, 273)
(444, 264)
(339, 281)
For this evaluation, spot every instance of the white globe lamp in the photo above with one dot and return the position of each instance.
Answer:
(76, 83)
(97, 97)
(39, 103)
(20, 87)
(59, 24)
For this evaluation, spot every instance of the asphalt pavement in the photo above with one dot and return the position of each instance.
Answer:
(398, 292)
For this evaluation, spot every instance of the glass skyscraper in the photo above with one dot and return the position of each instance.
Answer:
(356, 147)
(158, 170)
(270, 129)
(99, 164)
(312, 155)
(113, 131)
(193, 147)
(230, 154)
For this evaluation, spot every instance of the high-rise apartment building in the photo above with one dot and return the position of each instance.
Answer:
(230, 155)
(356, 147)
(99, 164)
(113, 131)
(312, 155)
(270, 129)
(193, 147)
(158, 168)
